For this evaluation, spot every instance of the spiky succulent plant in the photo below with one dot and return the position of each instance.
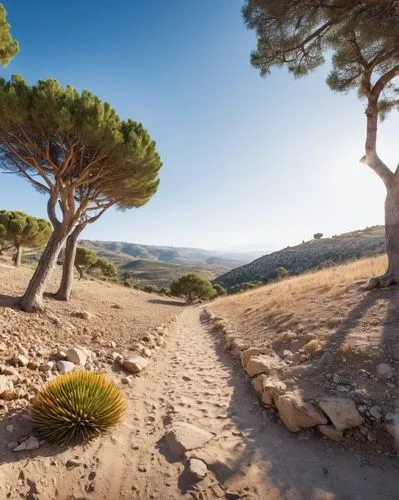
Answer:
(76, 407)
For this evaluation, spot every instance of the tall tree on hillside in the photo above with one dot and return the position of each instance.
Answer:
(84, 259)
(192, 286)
(76, 149)
(9, 48)
(363, 38)
(19, 230)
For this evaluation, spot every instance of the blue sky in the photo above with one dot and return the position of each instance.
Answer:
(246, 160)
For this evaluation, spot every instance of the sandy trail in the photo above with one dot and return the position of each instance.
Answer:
(194, 380)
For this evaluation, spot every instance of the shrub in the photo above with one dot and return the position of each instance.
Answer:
(76, 407)
(219, 290)
(192, 286)
(318, 236)
(282, 272)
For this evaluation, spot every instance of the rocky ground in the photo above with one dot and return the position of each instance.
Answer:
(194, 427)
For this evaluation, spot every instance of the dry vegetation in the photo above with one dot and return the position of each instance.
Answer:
(322, 311)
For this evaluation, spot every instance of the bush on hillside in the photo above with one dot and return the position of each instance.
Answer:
(318, 236)
(219, 290)
(192, 286)
(282, 272)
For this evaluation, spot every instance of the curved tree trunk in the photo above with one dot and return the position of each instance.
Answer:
(65, 288)
(18, 256)
(32, 299)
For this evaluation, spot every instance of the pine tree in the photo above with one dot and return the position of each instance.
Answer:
(9, 48)
(363, 38)
(75, 149)
(192, 286)
(19, 230)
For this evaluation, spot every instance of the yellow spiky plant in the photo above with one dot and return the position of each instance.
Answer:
(76, 407)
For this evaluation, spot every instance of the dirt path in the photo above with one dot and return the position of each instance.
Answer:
(194, 380)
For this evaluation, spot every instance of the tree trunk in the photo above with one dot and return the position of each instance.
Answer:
(80, 271)
(391, 277)
(18, 256)
(32, 299)
(65, 288)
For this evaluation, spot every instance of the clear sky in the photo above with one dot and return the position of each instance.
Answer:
(246, 160)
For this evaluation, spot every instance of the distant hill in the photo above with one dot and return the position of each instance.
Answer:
(159, 265)
(309, 255)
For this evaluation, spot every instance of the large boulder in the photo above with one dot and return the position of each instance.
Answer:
(183, 437)
(341, 411)
(384, 371)
(135, 364)
(261, 364)
(258, 383)
(331, 432)
(297, 414)
(272, 388)
(77, 356)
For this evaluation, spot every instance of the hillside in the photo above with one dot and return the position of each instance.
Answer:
(158, 265)
(309, 255)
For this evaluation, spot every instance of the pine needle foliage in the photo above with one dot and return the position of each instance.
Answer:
(76, 407)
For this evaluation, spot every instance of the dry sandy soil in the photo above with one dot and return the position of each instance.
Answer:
(192, 379)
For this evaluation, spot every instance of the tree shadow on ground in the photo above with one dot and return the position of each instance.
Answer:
(9, 301)
(293, 467)
(166, 302)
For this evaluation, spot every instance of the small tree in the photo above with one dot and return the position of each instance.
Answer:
(18, 230)
(219, 290)
(9, 48)
(192, 286)
(75, 149)
(84, 259)
(105, 266)
(318, 236)
(282, 272)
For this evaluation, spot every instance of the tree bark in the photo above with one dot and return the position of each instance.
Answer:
(32, 299)
(18, 256)
(391, 277)
(80, 271)
(65, 288)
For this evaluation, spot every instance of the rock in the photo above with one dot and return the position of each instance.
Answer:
(297, 414)
(183, 436)
(336, 378)
(117, 358)
(65, 366)
(10, 428)
(21, 360)
(76, 356)
(260, 364)
(135, 364)
(82, 315)
(58, 356)
(112, 344)
(384, 371)
(46, 367)
(272, 388)
(147, 352)
(9, 395)
(331, 432)
(127, 380)
(71, 464)
(248, 353)
(327, 358)
(258, 382)
(5, 384)
(342, 412)
(288, 354)
(33, 365)
(392, 426)
(375, 412)
(31, 443)
(198, 468)
(10, 370)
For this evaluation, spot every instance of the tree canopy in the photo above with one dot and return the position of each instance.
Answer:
(318, 236)
(192, 286)
(18, 230)
(105, 266)
(84, 259)
(76, 149)
(9, 47)
(219, 290)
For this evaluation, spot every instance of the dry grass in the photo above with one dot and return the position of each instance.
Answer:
(323, 310)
